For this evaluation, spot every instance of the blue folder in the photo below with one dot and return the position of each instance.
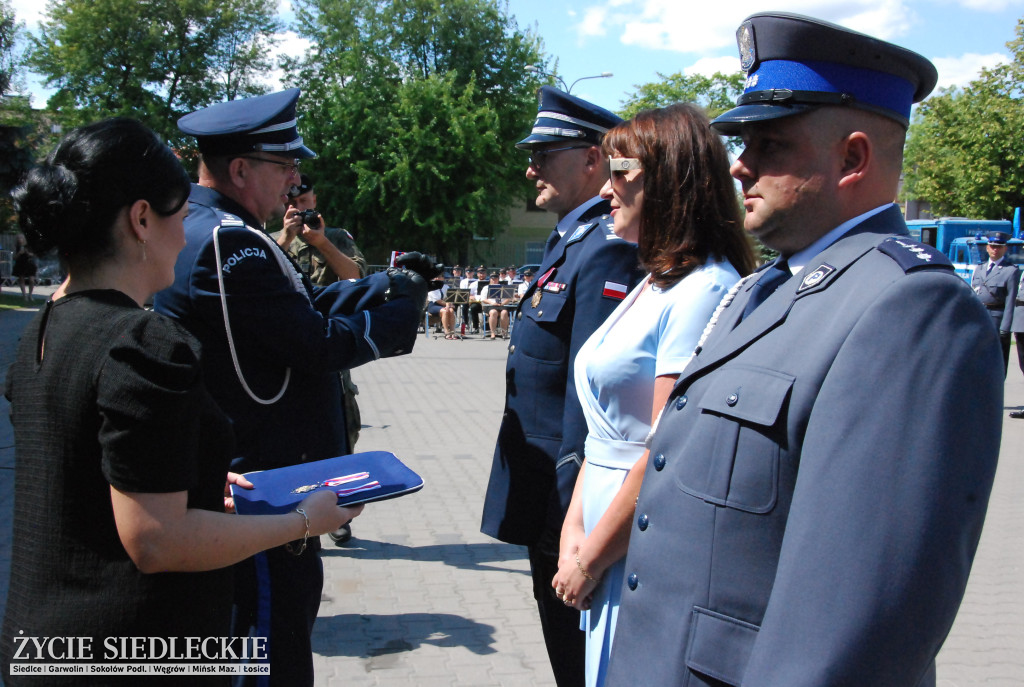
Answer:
(356, 478)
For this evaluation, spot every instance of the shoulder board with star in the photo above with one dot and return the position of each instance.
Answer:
(608, 225)
(912, 255)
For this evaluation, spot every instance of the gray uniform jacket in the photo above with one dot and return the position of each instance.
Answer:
(812, 503)
(1018, 311)
(997, 290)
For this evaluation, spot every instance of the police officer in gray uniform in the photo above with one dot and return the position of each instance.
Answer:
(1018, 335)
(995, 282)
(812, 504)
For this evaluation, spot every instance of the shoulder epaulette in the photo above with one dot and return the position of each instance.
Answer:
(912, 255)
(580, 233)
(231, 221)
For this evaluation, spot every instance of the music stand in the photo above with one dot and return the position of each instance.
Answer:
(460, 299)
(457, 296)
(506, 291)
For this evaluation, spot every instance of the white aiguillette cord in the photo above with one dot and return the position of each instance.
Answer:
(722, 305)
(227, 323)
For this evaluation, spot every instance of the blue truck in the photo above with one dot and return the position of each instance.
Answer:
(964, 241)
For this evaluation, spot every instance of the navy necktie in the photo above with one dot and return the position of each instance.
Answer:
(773, 277)
(552, 240)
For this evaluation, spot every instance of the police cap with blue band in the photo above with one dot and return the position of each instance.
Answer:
(265, 123)
(795, 63)
(564, 118)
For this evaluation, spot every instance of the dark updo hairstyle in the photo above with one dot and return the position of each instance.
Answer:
(690, 211)
(73, 199)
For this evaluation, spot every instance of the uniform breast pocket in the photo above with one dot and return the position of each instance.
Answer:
(731, 454)
(547, 338)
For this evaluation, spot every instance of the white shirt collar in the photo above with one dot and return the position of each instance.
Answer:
(799, 260)
(572, 220)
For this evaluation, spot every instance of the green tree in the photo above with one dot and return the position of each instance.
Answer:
(10, 35)
(152, 59)
(414, 107)
(16, 150)
(965, 152)
(716, 93)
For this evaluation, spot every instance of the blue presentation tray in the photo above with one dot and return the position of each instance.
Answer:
(356, 478)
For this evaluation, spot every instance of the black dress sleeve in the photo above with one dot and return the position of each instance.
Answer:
(149, 396)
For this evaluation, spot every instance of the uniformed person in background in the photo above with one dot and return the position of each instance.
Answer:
(1018, 336)
(525, 283)
(303, 225)
(473, 308)
(586, 271)
(813, 504)
(300, 228)
(995, 281)
(272, 344)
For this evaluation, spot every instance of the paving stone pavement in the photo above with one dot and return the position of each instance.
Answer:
(420, 597)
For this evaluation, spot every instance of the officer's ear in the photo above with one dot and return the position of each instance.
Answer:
(238, 170)
(857, 155)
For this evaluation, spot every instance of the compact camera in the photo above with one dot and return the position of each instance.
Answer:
(311, 218)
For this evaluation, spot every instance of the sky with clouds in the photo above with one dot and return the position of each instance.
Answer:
(637, 39)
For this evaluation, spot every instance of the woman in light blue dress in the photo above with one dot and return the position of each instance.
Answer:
(672, 194)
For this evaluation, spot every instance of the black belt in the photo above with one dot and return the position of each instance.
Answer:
(996, 306)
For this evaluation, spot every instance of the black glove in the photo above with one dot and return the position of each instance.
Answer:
(420, 264)
(407, 284)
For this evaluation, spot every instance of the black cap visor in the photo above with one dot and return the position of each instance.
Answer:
(730, 123)
(534, 140)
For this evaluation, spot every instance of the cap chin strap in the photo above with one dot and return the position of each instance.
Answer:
(289, 273)
(785, 96)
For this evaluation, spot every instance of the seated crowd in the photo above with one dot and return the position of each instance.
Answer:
(456, 307)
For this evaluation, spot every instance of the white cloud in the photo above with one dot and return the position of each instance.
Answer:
(988, 5)
(289, 44)
(593, 22)
(28, 11)
(957, 71)
(889, 20)
(708, 66)
(711, 27)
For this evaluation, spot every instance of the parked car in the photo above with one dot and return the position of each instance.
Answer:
(523, 268)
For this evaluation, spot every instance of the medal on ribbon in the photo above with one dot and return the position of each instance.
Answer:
(334, 482)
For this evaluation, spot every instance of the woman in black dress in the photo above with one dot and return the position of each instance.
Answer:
(121, 455)
(25, 268)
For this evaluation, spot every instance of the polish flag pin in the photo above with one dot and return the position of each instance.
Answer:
(613, 290)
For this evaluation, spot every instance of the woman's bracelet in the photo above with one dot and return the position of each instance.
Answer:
(305, 537)
(584, 570)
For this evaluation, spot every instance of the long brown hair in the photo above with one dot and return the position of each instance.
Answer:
(690, 210)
